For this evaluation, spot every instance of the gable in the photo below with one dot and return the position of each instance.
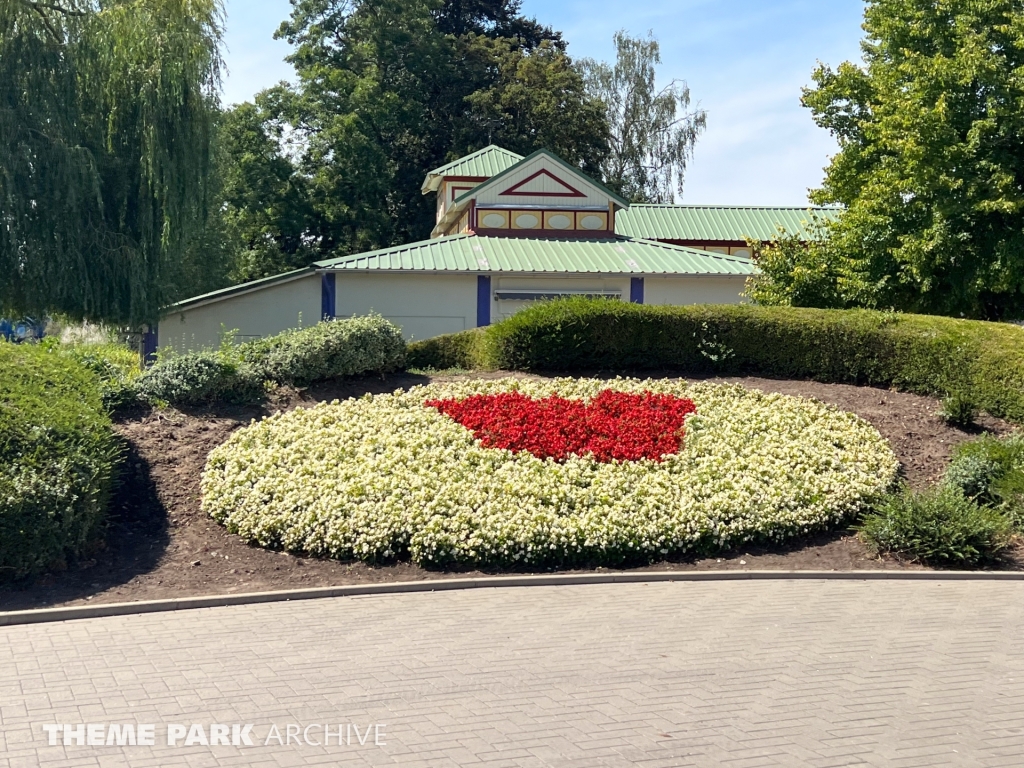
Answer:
(545, 181)
(542, 183)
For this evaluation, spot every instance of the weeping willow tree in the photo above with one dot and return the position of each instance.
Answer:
(106, 114)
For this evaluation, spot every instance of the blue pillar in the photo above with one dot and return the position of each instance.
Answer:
(636, 290)
(483, 300)
(149, 345)
(327, 296)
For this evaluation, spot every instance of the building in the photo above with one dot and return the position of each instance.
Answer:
(510, 231)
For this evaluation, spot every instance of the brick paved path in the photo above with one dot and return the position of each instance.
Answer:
(663, 675)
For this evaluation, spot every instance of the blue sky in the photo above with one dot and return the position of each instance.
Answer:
(745, 62)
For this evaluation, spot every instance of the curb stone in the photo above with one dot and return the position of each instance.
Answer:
(37, 616)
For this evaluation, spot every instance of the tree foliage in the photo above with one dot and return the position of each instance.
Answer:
(106, 110)
(931, 167)
(653, 132)
(387, 90)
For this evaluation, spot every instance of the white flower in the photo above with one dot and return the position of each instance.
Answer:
(381, 476)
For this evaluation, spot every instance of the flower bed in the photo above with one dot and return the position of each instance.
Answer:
(393, 476)
(614, 425)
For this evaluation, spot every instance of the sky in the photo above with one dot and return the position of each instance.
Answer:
(745, 62)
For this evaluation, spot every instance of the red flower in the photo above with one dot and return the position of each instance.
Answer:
(614, 425)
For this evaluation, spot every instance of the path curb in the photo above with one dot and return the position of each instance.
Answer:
(12, 618)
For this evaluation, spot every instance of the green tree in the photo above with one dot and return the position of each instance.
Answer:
(653, 132)
(931, 161)
(387, 90)
(266, 215)
(106, 114)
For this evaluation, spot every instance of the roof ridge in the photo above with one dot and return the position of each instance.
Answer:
(482, 150)
(735, 206)
(381, 251)
(673, 247)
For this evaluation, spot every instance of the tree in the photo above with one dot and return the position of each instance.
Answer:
(387, 90)
(266, 213)
(106, 112)
(931, 164)
(653, 132)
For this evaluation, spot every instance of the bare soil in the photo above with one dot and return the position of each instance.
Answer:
(160, 545)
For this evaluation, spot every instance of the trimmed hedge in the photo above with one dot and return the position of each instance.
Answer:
(199, 377)
(240, 374)
(58, 458)
(467, 350)
(344, 347)
(983, 362)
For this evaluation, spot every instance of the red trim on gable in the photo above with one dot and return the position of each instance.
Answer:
(514, 189)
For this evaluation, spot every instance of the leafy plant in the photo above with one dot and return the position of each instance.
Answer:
(199, 377)
(940, 526)
(991, 469)
(58, 458)
(653, 130)
(958, 409)
(973, 475)
(344, 347)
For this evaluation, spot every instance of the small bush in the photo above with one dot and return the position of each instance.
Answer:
(197, 378)
(327, 350)
(991, 469)
(58, 458)
(940, 526)
(973, 475)
(958, 410)
(464, 350)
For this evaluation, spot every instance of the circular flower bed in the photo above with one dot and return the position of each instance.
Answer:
(488, 472)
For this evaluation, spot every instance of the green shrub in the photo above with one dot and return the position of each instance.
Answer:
(991, 469)
(464, 350)
(939, 526)
(117, 367)
(343, 347)
(58, 457)
(199, 377)
(914, 353)
(973, 475)
(958, 410)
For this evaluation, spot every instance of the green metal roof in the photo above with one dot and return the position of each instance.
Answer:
(486, 162)
(231, 290)
(476, 254)
(715, 222)
(551, 156)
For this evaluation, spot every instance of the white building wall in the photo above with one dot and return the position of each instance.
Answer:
(502, 308)
(255, 314)
(694, 290)
(423, 305)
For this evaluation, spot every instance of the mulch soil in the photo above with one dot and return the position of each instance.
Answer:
(160, 545)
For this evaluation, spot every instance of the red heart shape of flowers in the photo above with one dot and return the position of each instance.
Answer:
(614, 425)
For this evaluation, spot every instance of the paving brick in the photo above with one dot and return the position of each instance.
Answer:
(798, 673)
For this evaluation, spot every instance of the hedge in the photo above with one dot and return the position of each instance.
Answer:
(343, 347)
(197, 378)
(58, 458)
(467, 350)
(914, 353)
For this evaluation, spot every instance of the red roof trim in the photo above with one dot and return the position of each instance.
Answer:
(515, 189)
